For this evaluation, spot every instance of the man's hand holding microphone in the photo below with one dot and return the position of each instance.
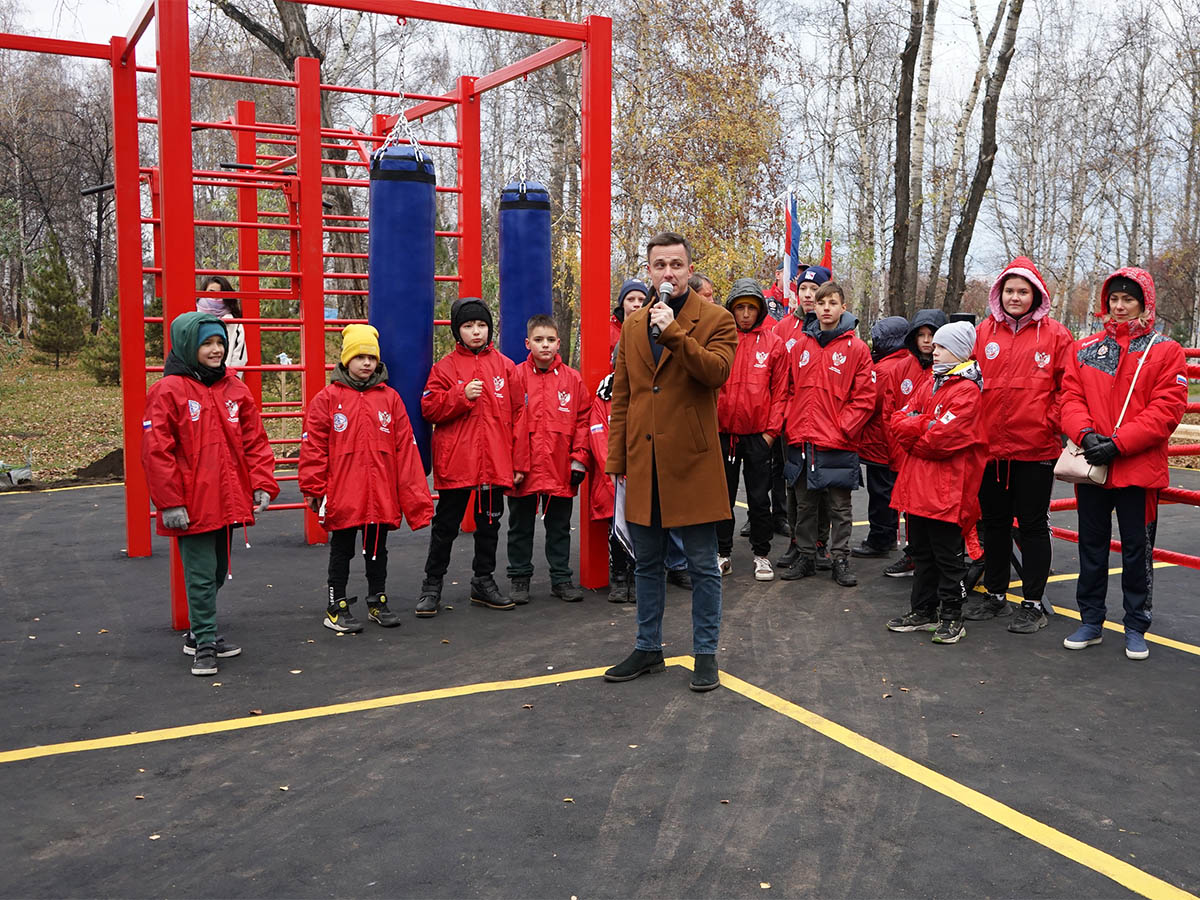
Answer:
(661, 314)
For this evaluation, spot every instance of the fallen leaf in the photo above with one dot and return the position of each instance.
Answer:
(527, 706)
(141, 770)
(904, 689)
(444, 641)
(102, 631)
(981, 712)
(256, 712)
(885, 696)
(954, 734)
(884, 680)
(449, 607)
(310, 641)
(724, 801)
(983, 682)
(568, 799)
(270, 585)
(37, 618)
(298, 671)
(76, 685)
(216, 684)
(633, 746)
(33, 637)
(283, 787)
(155, 837)
(764, 884)
(139, 797)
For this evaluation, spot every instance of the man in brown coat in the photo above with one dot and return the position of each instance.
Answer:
(672, 359)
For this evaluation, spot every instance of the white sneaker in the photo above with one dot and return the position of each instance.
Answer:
(724, 565)
(763, 570)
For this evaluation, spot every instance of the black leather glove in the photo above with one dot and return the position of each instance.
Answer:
(1089, 440)
(577, 477)
(1104, 451)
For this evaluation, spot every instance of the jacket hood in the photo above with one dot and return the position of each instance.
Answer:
(468, 309)
(812, 327)
(887, 336)
(1137, 327)
(1024, 267)
(931, 318)
(630, 284)
(185, 344)
(341, 375)
(748, 289)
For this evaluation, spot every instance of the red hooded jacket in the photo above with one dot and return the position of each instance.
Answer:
(1097, 381)
(751, 401)
(941, 432)
(1022, 363)
(830, 392)
(204, 448)
(601, 498)
(358, 452)
(556, 419)
(475, 442)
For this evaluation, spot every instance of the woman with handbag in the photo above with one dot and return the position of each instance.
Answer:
(1124, 391)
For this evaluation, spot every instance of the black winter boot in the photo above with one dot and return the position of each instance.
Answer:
(705, 676)
(841, 572)
(639, 662)
(485, 592)
(431, 598)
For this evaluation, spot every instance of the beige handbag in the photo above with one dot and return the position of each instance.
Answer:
(1071, 466)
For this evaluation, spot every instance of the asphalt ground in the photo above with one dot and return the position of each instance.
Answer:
(480, 754)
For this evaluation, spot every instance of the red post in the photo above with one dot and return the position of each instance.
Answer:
(178, 211)
(595, 257)
(470, 201)
(311, 244)
(130, 292)
(247, 211)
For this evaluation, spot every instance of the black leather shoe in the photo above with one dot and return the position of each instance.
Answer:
(430, 600)
(485, 592)
(801, 568)
(679, 578)
(639, 662)
(866, 551)
(789, 557)
(705, 676)
(841, 572)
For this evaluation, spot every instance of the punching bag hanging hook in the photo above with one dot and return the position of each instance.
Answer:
(403, 127)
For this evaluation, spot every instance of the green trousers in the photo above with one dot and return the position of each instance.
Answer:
(205, 564)
(522, 515)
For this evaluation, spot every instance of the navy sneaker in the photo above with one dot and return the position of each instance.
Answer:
(1135, 644)
(225, 649)
(1084, 636)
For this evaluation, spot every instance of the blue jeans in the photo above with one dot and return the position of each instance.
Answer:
(650, 545)
(675, 557)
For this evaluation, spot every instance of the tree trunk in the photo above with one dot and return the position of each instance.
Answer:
(912, 250)
(860, 274)
(897, 277)
(957, 282)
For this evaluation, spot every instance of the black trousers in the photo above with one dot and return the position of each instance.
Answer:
(751, 457)
(1137, 521)
(884, 521)
(778, 485)
(1016, 488)
(522, 516)
(451, 506)
(939, 560)
(341, 551)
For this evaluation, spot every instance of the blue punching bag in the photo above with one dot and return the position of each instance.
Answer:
(400, 265)
(524, 263)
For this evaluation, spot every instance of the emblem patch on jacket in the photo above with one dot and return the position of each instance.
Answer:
(1042, 359)
(194, 410)
(340, 422)
(498, 383)
(839, 359)
(992, 350)
(803, 359)
(385, 419)
(231, 407)
(760, 357)
(564, 401)
(906, 386)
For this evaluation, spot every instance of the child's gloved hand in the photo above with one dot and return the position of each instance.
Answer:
(261, 500)
(176, 517)
(577, 477)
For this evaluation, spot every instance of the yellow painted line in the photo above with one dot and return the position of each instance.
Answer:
(1073, 849)
(76, 487)
(295, 715)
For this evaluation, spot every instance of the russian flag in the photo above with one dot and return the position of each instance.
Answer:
(790, 249)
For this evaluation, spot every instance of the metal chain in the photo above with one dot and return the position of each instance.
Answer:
(403, 127)
(523, 153)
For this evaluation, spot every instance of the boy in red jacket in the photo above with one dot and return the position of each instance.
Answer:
(749, 421)
(475, 400)
(556, 421)
(208, 466)
(941, 431)
(830, 398)
(359, 456)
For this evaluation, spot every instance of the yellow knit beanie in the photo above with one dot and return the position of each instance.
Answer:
(359, 340)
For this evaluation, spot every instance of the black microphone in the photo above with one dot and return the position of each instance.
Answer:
(664, 295)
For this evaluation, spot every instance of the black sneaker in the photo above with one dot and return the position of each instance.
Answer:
(950, 631)
(901, 568)
(789, 557)
(1029, 618)
(803, 567)
(639, 662)
(824, 561)
(339, 618)
(485, 593)
(378, 612)
(912, 621)
(519, 591)
(679, 578)
(225, 648)
(705, 676)
(841, 572)
(430, 600)
(565, 591)
(866, 551)
(986, 606)
(204, 661)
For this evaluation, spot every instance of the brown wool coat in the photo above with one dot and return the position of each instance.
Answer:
(668, 414)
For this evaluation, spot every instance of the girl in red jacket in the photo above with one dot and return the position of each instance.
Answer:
(209, 467)
(1096, 388)
(475, 399)
(358, 454)
(938, 487)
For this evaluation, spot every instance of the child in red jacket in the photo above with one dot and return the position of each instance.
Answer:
(359, 456)
(475, 400)
(208, 466)
(749, 421)
(941, 430)
(556, 421)
(830, 398)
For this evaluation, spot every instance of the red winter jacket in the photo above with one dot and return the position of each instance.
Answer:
(905, 380)
(941, 430)
(475, 442)
(751, 401)
(830, 393)
(601, 498)
(556, 419)
(358, 452)
(875, 444)
(1022, 364)
(789, 329)
(1097, 380)
(204, 448)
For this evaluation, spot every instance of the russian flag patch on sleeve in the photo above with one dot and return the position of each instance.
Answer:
(1181, 379)
(146, 425)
